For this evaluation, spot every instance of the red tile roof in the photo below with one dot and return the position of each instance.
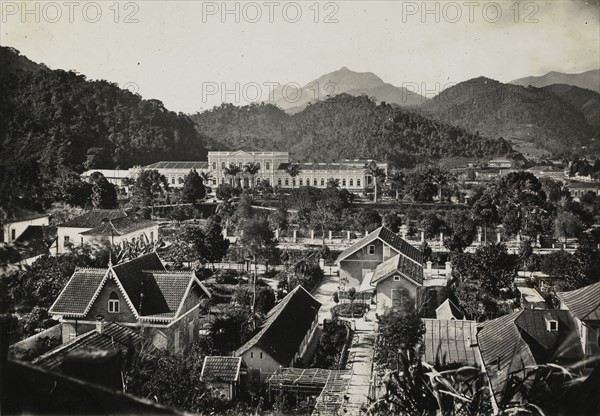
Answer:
(286, 325)
(219, 368)
(584, 303)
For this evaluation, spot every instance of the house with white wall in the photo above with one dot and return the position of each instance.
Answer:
(17, 222)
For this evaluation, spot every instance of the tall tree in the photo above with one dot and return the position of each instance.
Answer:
(104, 193)
(215, 245)
(293, 169)
(398, 180)
(148, 186)
(479, 278)
(233, 171)
(377, 173)
(193, 187)
(251, 169)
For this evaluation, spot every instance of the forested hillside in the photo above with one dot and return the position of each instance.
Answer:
(343, 127)
(587, 101)
(56, 122)
(536, 121)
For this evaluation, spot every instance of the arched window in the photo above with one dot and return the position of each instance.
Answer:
(279, 181)
(322, 181)
(113, 303)
(351, 182)
(358, 182)
(301, 181)
(315, 181)
(343, 182)
(287, 182)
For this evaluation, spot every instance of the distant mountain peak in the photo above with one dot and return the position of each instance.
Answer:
(344, 80)
(589, 80)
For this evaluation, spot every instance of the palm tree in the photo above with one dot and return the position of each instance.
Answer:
(206, 177)
(251, 169)
(293, 169)
(377, 173)
(398, 180)
(233, 171)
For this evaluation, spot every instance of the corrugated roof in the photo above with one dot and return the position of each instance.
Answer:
(335, 166)
(114, 336)
(92, 219)
(121, 226)
(172, 164)
(450, 342)
(219, 368)
(583, 185)
(286, 325)
(584, 303)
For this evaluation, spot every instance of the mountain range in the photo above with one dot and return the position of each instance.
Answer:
(589, 80)
(538, 121)
(293, 99)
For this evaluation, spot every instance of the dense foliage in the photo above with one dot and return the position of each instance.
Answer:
(484, 280)
(344, 127)
(53, 121)
(535, 120)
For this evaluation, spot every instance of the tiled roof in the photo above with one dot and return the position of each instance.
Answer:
(286, 325)
(450, 342)
(154, 293)
(22, 214)
(520, 339)
(584, 303)
(172, 164)
(114, 336)
(130, 274)
(401, 264)
(120, 226)
(92, 219)
(219, 368)
(391, 239)
(78, 293)
(164, 292)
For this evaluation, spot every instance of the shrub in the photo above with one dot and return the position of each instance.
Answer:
(227, 277)
(348, 310)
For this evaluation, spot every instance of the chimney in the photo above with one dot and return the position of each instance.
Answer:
(100, 324)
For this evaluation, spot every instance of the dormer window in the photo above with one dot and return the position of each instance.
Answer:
(113, 303)
(552, 325)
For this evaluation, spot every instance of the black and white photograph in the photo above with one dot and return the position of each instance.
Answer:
(300, 208)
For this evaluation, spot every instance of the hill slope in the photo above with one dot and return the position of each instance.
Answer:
(293, 99)
(536, 121)
(589, 80)
(587, 101)
(59, 122)
(343, 127)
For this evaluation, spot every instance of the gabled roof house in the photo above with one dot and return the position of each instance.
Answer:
(138, 292)
(367, 254)
(512, 344)
(285, 336)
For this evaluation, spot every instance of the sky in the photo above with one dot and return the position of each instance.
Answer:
(193, 55)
